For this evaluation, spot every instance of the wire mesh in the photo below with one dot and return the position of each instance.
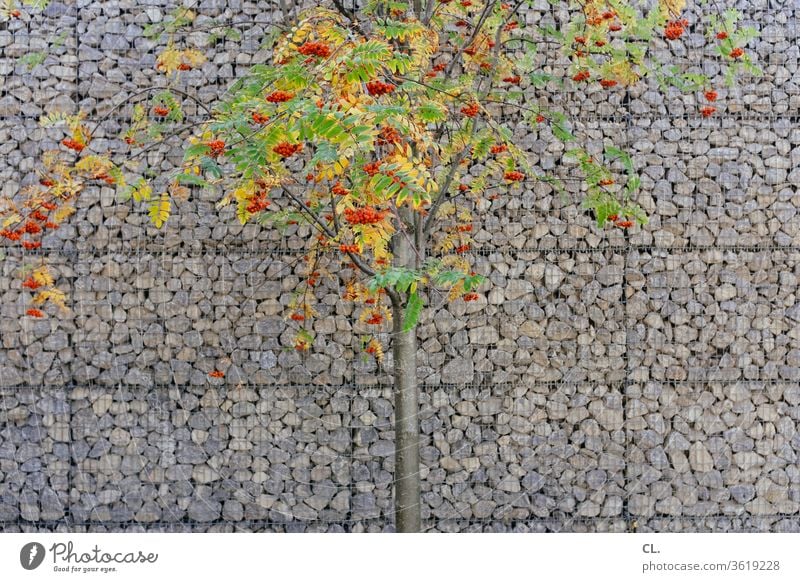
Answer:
(606, 382)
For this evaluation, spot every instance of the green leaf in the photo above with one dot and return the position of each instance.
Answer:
(623, 156)
(191, 179)
(195, 150)
(412, 312)
(561, 132)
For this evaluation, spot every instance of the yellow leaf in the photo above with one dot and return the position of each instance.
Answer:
(142, 191)
(54, 296)
(193, 57)
(169, 60)
(12, 219)
(43, 277)
(62, 213)
(673, 7)
(160, 209)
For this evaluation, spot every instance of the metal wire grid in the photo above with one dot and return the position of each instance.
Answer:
(625, 522)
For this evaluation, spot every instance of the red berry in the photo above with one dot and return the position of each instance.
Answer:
(286, 149)
(378, 88)
(217, 147)
(317, 49)
(280, 97)
(471, 110)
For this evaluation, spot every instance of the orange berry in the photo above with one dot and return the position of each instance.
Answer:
(280, 97)
(471, 110)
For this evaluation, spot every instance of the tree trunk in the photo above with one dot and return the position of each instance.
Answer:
(406, 409)
(406, 428)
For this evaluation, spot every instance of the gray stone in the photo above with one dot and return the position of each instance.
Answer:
(203, 510)
(458, 371)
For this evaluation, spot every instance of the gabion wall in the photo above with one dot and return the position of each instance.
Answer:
(604, 382)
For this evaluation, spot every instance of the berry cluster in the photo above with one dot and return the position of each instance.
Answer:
(736, 53)
(35, 312)
(260, 118)
(160, 111)
(514, 79)
(372, 168)
(258, 203)
(464, 228)
(31, 283)
(376, 318)
(297, 317)
(377, 88)
(286, 149)
(675, 28)
(349, 248)
(581, 76)
(607, 83)
(708, 111)
(216, 374)
(460, 250)
(514, 176)
(315, 48)
(339, 190)
(365, 215)
(471, 297)
(73, 144)
(217, 147)
(184, 67)
(498, 149)
(388, 135)
(12, 235)
(102, 176)
(619, 222)
(280, 97)
(471, 110)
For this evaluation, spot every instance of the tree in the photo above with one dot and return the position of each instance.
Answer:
(380, 127)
